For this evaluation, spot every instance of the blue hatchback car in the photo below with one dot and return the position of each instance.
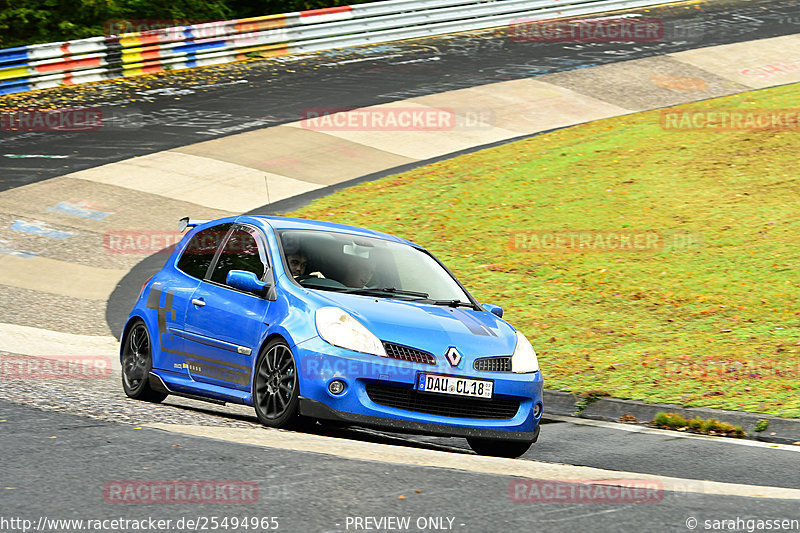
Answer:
(304, 319)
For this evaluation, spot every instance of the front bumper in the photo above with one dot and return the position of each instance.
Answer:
(319, 363)
(315, 409)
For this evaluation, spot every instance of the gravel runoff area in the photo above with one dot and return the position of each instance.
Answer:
(102, 398)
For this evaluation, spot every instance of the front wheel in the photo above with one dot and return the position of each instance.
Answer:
(499, 448)
(275, 387)
(137, 362)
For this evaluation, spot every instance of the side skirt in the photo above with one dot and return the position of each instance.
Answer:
(187, 388)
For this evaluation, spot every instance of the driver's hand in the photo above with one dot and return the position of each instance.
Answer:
(317, 275)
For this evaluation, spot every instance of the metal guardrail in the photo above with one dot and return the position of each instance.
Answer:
(41, 66)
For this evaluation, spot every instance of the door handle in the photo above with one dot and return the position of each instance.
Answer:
(198, 302)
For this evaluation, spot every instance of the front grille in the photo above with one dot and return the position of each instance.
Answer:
(404, 353)
(442, 405)
(493, 364)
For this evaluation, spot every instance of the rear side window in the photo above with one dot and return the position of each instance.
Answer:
(200, 251)
(240, 253)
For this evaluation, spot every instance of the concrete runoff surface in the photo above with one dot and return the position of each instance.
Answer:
(774, 61)
(99, 207)
(437, 131)
(59, 277)
(527, 106)
(647, 83)
(62, 241)
(109, 234)
(27, 340)
(196, 179)
(297, 153)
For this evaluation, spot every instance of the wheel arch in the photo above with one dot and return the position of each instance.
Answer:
(274, 335)
(134, 318)
(271, 337)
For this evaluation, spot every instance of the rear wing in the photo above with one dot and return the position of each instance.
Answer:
(186, 222)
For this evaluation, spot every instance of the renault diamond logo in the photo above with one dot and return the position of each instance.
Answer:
(453, 356)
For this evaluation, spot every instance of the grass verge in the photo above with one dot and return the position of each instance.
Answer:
(710, 426)
(707, 317)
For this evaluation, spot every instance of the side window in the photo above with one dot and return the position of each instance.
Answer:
(240, 253)
(197, 256)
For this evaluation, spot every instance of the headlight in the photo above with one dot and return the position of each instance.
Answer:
(524, 358)
(343, 330)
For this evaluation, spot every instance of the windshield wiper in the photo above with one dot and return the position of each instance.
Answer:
(383, 290)
(453, 303)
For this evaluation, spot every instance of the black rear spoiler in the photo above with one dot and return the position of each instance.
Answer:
(186, 222)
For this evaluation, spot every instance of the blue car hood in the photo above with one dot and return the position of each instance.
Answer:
(432, 328)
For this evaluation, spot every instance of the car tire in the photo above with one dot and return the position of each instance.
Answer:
(137, 362)
(499, 448)
(276, 389)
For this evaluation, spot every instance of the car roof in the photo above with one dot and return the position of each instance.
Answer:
(280, 223)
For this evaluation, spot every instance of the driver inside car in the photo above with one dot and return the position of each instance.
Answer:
(298, 262)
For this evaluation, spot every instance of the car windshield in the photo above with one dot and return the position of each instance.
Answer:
(341, 262)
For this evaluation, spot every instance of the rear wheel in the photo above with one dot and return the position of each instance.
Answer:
(275, 386)
(499, 448)
(137, 362)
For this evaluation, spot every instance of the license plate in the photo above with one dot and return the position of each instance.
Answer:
(437, 383)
